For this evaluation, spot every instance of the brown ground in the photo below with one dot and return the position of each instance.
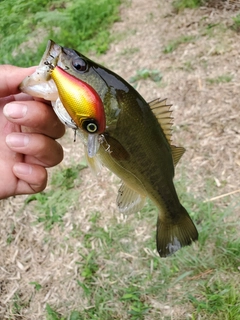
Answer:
(206, 123)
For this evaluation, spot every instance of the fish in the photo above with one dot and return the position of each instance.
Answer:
(131, 137)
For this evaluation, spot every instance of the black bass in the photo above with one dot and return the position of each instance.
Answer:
(131, 137)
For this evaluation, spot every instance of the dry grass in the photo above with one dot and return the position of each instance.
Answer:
(206, 124)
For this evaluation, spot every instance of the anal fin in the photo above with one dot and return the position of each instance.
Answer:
(128, 200)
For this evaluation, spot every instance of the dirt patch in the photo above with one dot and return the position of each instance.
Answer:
(201, 79)
(223, 4)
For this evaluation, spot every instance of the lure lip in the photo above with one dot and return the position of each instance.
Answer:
(93, 145)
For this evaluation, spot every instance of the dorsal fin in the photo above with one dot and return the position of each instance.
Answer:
(162, 112)
(177, 153)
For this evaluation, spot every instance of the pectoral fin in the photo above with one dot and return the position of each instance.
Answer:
(115, 148)
(129, 201)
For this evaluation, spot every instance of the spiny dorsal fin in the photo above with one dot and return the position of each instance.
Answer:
(164, 116)
(177, 153)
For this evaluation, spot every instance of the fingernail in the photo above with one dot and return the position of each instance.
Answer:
(22, 168)
(15, 110)
(17, 140)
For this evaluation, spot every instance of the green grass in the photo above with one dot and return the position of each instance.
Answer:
(51, 314)
(51, 205)
(18, 304)
(218, 299)
(225, 78)
(182, 4)
(27, 25)
(236, 23)
(188, 66)
(174, 44)
(145, 74)
(119, 274)
(208, 31)
(37, 286)
(129, 51)
(123, 277)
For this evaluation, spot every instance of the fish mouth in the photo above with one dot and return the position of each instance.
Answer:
(39, 84)
(52, 52)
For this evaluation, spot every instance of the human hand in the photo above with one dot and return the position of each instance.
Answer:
(28, 130)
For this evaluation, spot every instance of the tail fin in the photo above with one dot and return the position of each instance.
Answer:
(172, 236)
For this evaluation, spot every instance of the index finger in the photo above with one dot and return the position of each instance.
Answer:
(11, 77)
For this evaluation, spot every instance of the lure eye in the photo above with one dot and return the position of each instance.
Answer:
(90, 126)
(79, 64)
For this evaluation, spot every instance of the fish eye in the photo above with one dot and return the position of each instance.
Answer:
(80, 64)
(90, 126)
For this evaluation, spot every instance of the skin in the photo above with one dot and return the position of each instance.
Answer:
(28, 130)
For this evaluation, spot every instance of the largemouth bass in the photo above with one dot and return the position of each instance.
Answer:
(131, 137)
